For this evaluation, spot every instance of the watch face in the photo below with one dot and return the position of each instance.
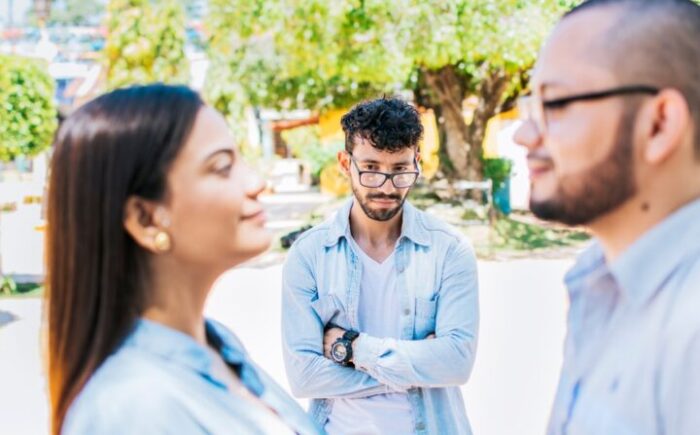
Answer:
(339, 352)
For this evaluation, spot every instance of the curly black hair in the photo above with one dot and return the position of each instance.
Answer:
(389, 124)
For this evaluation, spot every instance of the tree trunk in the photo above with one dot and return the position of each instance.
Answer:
(447, 89)
(490, 94)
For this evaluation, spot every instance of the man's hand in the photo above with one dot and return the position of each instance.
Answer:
(332, 335)
(329, 337)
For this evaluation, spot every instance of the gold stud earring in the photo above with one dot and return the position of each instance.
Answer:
(162, 241)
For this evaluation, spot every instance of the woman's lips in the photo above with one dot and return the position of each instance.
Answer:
(258, 216)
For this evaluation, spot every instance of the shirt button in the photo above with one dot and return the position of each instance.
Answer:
(420, 426)
(406, 312)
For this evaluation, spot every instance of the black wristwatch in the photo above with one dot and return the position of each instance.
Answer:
(341, 350)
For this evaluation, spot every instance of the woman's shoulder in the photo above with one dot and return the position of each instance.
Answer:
(127, 394)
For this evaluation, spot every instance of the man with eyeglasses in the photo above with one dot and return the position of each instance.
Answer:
(380, 306)
(612, 130)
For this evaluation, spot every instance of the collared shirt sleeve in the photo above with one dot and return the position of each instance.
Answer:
(311, 375)
(443, 361)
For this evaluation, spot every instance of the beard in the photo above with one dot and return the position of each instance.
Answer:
(381, 215)
(583, 197)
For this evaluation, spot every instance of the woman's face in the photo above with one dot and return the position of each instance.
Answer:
(215, 217)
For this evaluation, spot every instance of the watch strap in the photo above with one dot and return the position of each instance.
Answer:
(350, 335)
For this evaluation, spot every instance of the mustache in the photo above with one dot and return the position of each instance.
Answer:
(534, 157)
(384, 196)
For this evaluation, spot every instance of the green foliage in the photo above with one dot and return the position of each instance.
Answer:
(146, 42)
(306, 145)
(498, 171)
(523, 236)
(295, 59)
(7, 285)
(301, 138)
(319, 55)
(27, 108)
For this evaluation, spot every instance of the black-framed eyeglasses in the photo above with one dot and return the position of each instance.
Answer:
(375, 179)
(533, 107)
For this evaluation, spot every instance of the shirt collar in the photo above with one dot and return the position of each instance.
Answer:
(590, 266)
(411, 227)
(180, 348)
(641, 269)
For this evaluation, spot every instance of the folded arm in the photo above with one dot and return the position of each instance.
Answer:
(310, 374)
(447, 359)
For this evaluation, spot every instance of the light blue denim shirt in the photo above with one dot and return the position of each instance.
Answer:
(437, 278)
(160, 381)
(632, 352)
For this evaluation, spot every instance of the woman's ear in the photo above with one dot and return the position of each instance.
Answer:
(145, 222)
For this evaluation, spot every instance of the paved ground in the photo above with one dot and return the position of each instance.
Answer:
(522, 308)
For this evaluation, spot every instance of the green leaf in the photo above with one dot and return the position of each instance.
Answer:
(29, 118)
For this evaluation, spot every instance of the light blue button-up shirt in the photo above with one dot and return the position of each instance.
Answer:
(632, 353)
(437, 281)
(160, 382)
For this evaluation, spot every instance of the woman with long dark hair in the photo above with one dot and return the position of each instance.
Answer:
(149, 203)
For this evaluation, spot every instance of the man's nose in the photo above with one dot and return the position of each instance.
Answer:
(527, 135)
(388, 187)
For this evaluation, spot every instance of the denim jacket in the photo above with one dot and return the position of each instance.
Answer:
(437, 276)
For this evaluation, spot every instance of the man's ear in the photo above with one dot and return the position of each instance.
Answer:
(143, 220)
(344, 162)
(666, 122)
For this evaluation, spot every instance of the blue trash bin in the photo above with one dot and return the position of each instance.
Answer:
(501, 198)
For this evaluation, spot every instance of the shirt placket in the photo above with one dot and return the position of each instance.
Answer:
(404, 293)
(592, 352)
(408, 316)
(353, 292)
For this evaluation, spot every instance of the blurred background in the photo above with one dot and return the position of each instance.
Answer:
(283, 72)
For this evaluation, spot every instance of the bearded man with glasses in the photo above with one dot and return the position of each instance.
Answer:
(380, 304)
(612, 130)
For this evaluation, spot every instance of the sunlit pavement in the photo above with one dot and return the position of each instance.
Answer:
(522, 328)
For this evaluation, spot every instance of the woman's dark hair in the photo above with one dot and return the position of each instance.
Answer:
(389, 124)
(118, 145)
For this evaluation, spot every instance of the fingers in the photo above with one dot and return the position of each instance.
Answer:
(430, 336)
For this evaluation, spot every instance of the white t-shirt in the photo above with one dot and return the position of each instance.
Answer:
(379, 316)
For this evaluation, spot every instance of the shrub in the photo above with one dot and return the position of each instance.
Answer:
(146, 42)
(498, 171)
(28, 116)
